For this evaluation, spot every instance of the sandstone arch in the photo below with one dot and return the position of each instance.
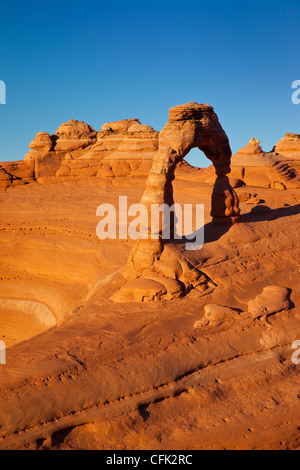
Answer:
(156, 270)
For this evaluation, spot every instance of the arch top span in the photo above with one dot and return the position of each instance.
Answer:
(196, 125)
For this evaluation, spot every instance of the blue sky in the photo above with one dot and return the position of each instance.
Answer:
(102, 61)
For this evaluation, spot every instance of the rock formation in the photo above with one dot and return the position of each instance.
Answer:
(190, 125)
(122, 148)
(76, 151)
(216, 314)
(126, 148)
(268, 169)
(289, 146)
(279, 169)
(253, 148)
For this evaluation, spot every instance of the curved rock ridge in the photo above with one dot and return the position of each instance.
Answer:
(190, 125)
(22, 319)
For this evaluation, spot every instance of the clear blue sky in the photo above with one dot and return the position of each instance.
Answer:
(100, 61)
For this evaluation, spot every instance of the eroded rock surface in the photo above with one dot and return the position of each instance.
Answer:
(101, 366)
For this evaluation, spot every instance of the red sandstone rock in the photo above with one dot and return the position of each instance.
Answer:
(56, 274)
(216, 314)
(236, 183)
(126, 148)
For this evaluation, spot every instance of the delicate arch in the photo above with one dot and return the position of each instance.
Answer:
(190, 125)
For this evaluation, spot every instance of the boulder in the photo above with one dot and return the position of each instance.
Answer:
(236, 183)
(73, 135)
(42, 142)
(260, 209)
(216, 314)
(272, 299)
(278, 185)
(119, 126)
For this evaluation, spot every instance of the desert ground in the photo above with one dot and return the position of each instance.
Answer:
(210, 369)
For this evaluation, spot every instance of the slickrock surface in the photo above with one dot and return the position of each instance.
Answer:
(210, 369)
(85, 372)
